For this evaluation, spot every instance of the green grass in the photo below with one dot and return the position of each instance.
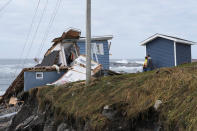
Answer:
(175, 87)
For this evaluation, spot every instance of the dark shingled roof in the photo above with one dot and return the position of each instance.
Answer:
(50, 59)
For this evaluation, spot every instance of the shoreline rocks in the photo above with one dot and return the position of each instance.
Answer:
(6, 116)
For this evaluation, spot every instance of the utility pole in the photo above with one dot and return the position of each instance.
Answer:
(88, 42)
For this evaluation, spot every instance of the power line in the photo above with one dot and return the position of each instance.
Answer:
(33, 20)
(53, 17)
(28, 34)
(5, 5)
(37, 28)
(49, 26)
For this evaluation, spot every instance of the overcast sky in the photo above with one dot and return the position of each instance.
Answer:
(129, 21)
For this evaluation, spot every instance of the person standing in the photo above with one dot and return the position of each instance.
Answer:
(150, 65)
(145, 64)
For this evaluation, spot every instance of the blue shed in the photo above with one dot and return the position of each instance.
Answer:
(168, 51)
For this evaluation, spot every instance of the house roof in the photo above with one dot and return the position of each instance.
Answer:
(97, 38)
(175, 39)
(72, 36)
(50, 59)
(71, 33)
(45, 69)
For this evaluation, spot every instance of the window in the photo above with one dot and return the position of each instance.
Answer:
(98, 48)
(39, 75)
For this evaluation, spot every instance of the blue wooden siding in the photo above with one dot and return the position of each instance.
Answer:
(183, 53)
(30, 80)
(162, 52)
(103, 59)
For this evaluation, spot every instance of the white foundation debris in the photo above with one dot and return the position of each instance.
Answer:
(77, 71)
(157, 104)
(57, 68)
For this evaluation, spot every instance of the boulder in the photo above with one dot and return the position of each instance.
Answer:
(62, 127)
(157, 104)
(109, 112)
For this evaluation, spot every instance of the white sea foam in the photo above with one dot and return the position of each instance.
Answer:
(127, 69)
(13, 68)
(122, 61)
(9, 69)
(127, 65)
(139, 62)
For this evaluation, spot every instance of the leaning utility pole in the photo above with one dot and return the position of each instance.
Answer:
(88, 42)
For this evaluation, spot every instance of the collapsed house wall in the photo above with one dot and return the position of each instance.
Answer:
(100, 47)
(77, 72)
(101, 52)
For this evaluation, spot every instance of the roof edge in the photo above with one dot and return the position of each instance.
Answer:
(105, 37)
(143, 43)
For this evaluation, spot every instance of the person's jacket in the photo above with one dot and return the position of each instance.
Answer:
(145, 63)
(150, 63)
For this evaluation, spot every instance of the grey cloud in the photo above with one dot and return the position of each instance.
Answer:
(130, 21)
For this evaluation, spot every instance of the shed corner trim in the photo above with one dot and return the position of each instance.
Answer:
(175, 57)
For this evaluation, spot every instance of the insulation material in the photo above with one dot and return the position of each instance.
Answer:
(81, 60)
(70, 76)
(78, 71)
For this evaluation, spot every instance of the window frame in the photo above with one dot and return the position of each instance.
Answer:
(99, 49)
(39, 77)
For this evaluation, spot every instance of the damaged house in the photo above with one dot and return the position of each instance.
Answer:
(64, 62)
(69, 51)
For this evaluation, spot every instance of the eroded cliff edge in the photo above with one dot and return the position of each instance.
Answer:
(164, 99)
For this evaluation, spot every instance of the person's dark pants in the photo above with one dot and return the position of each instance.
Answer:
(148, 69)
(144, 69)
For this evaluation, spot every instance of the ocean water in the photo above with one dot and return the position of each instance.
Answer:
(126, 65)
(10, 68)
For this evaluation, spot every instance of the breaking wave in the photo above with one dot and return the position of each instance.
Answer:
(9, 69)
(124, 69)
(122, 61)
(126, 65)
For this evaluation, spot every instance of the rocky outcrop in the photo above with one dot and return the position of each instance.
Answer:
(7, 113)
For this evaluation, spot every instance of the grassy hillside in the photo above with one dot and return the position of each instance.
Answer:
(133, 93)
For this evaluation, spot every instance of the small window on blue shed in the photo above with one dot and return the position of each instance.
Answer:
(99, 49)
(39, 75)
